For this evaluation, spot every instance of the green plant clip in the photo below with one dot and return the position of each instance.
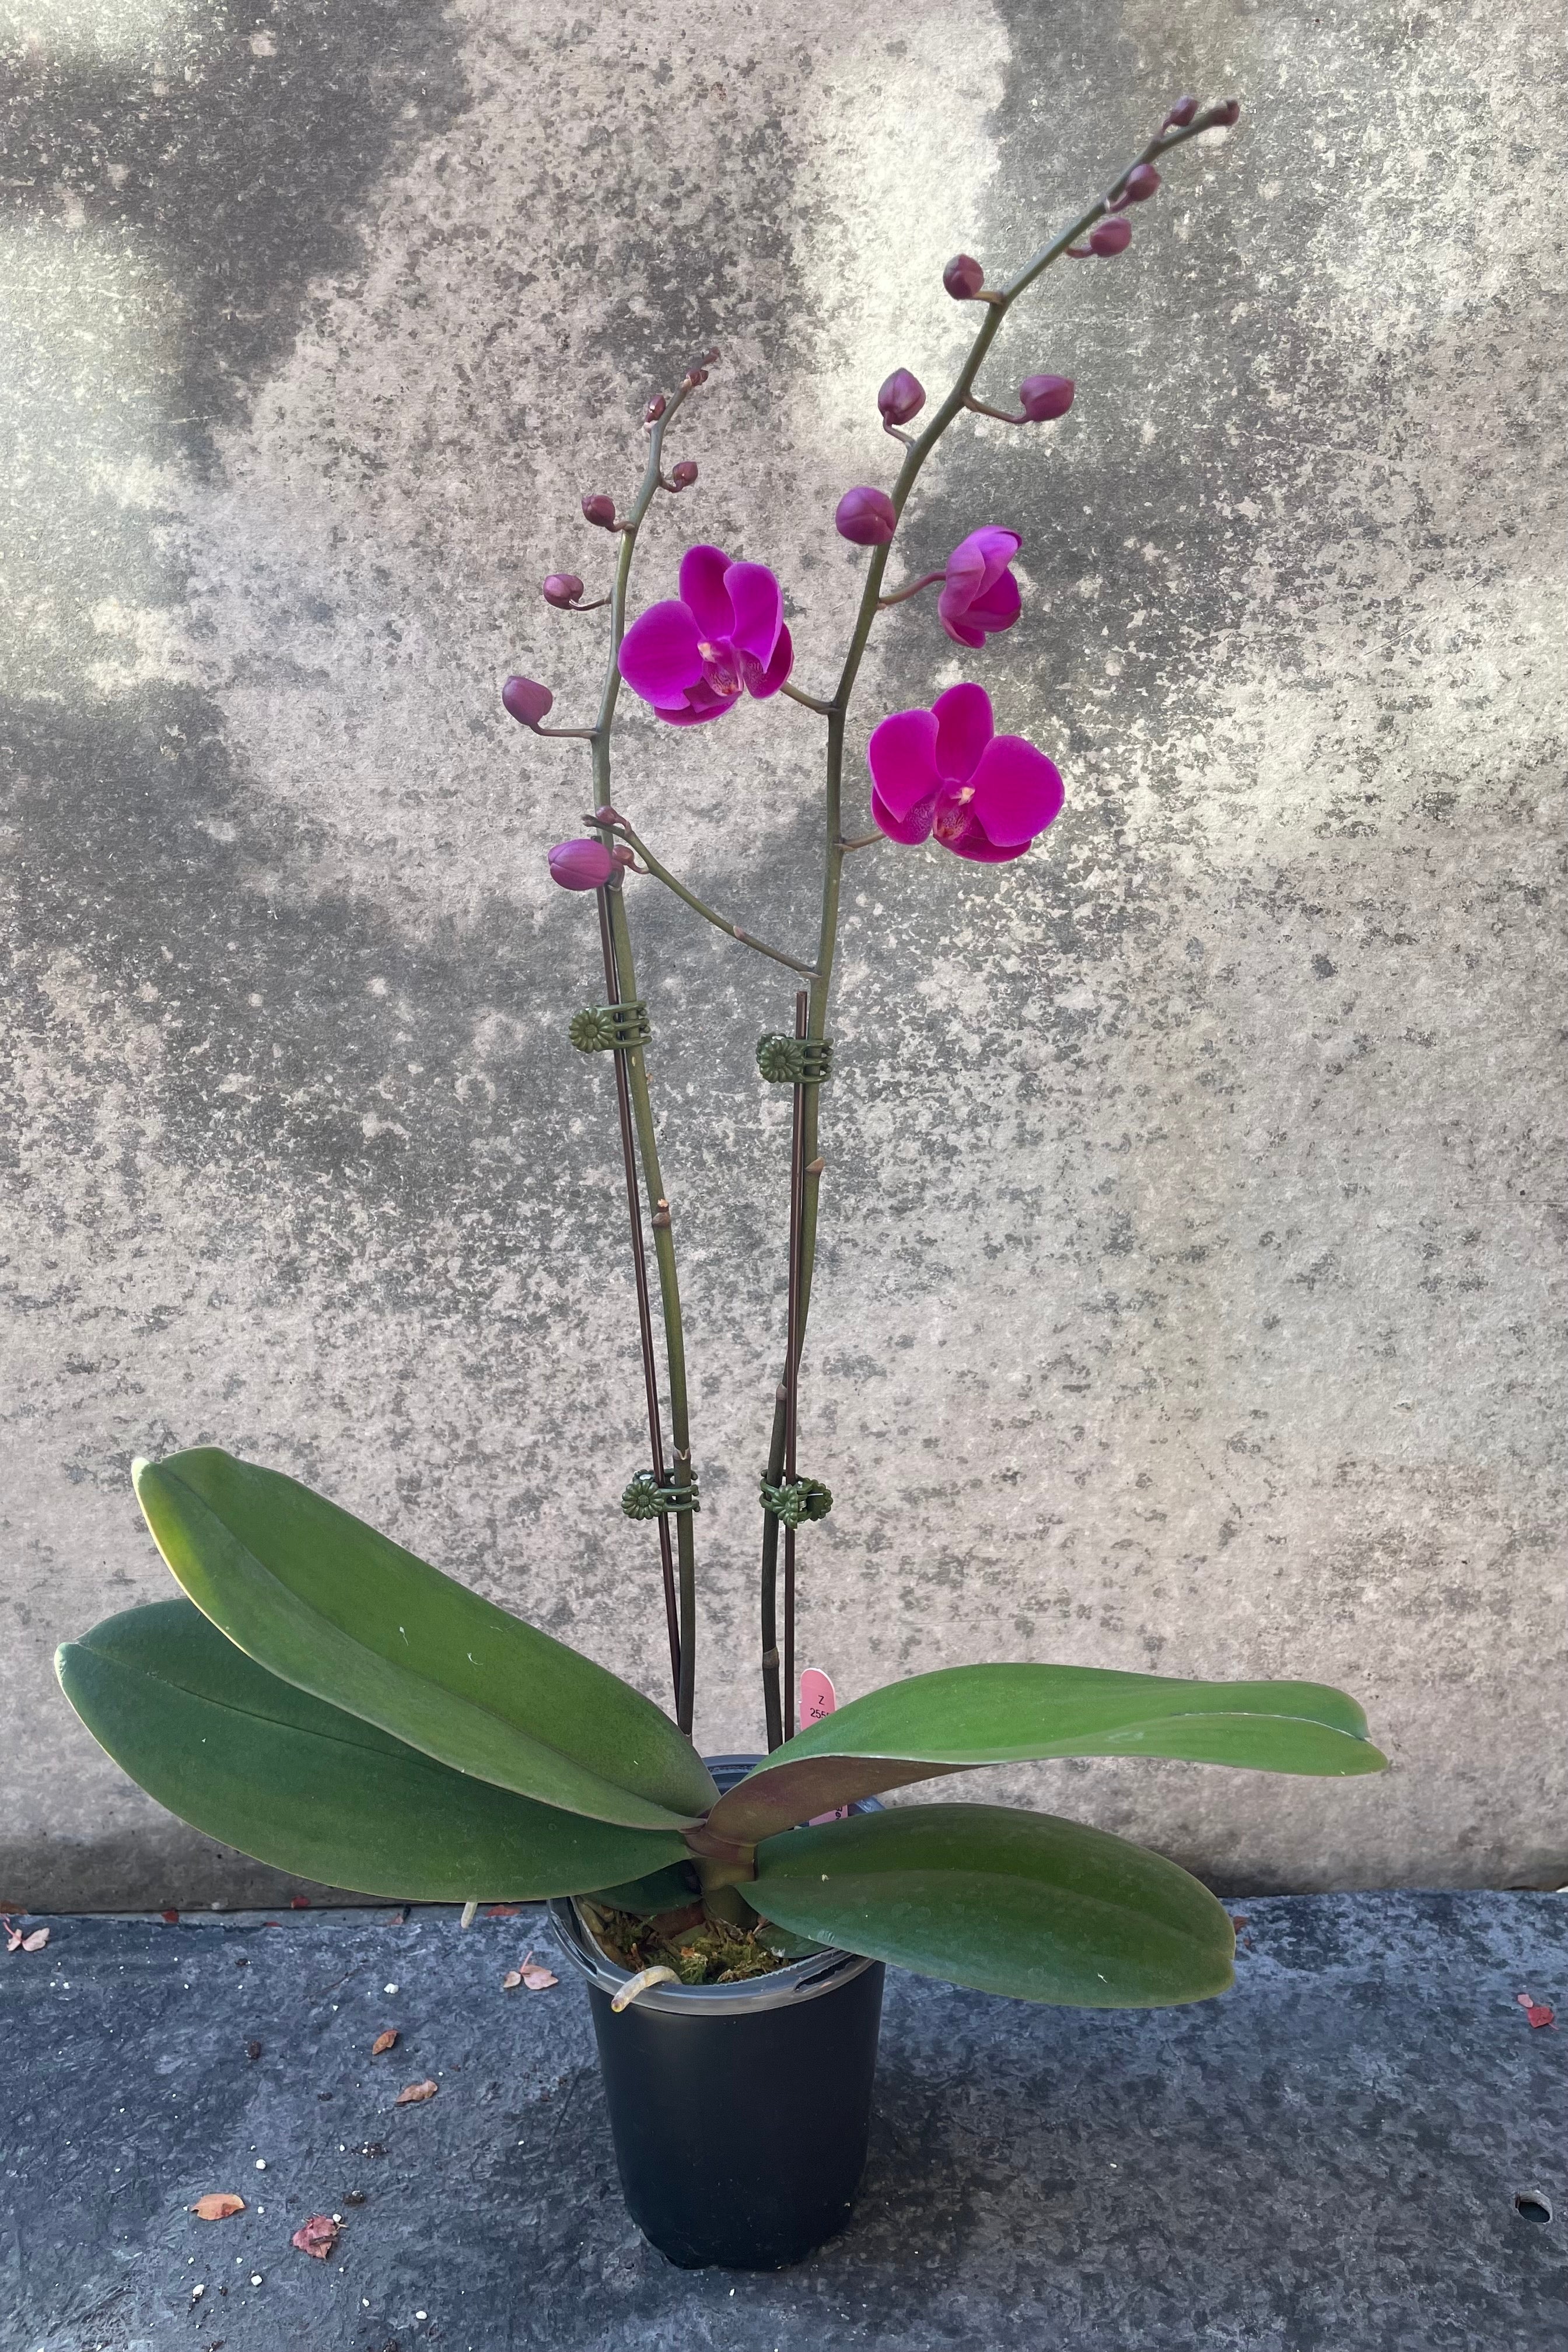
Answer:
(645, 1498)
(610, 1028)
(796, 1501)
(795, 1061)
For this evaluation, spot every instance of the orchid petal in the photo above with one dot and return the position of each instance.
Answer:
(658, 657)
(981, 852)
(912, 827)
(998, 606)
(692, 714)
(964, 632)
(758, 603)
(902, 758)
(761, 682)
(1018, 792)
(963, 729)
(702, 571)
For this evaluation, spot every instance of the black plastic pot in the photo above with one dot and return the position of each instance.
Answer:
(740, 2112)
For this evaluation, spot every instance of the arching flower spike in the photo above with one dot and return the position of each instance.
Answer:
(692, 656)
(944, 771)
(979, 596)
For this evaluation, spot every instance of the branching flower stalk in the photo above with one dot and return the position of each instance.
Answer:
(691, 657)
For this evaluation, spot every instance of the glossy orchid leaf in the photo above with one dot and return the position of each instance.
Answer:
(966, 1716)
(1005, 1902)
(259, 1765)
(325, 1602)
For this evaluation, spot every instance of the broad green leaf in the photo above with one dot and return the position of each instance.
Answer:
(664, 1890)
(321, 1600)
(966, 1716)
(1007, 1902)
(261, 1766)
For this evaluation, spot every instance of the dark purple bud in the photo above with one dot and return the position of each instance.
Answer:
(561, 589)
(598, 509)
(654, 409)
(527, 701)
(694, 376)
(1045, 397)
(707, 359)
(1226, 114)
(1108, 237)
(901, 397)
(1181, 114)
(866, 516)
(1142, 183)
(963, 278)
(581, 865)
(685, 473)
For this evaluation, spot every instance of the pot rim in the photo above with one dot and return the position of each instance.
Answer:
(801, 1980)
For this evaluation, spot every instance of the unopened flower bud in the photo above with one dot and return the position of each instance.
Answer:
(526, 701)
(901, 397)
(561, 589)
(581, 865)
(694, 376)
(685, 473)
(1142, 183)
(1226, 114)
(654, 409)
(963, 278)
(598, 509)
(1108, 237)
(866, 516)
(1045, 397)
(708, 358)
(1181, 114)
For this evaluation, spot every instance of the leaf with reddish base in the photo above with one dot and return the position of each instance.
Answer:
(316, 2236)
(962, 1717)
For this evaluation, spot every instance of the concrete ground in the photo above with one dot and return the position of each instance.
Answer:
(1359, 2149)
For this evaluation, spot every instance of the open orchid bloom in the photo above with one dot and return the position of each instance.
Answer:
(692, 656)
(946, 771)
(980, 595)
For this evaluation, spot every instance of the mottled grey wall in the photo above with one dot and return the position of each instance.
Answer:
(1192, 1290)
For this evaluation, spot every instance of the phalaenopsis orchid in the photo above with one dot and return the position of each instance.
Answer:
(321, 1698)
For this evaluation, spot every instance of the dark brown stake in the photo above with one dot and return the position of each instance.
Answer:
(792, 1359)
(639, 1270)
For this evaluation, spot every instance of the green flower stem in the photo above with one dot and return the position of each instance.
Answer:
(637, 1088)
(997, 304)
(721, 922)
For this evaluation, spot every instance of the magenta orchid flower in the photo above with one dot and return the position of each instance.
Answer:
(946, 771)
(691, 655)
(980, 595)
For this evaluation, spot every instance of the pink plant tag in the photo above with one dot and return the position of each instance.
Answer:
(817, 1698)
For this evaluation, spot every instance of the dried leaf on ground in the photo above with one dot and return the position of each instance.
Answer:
(384, 2041)
(1539, 2012)
(531, 1973)
(502, 1910)
(16, 1942)
(217, 2205)
(171, 1918)
(413, 2093)
(316, 2236)
(252, 2050)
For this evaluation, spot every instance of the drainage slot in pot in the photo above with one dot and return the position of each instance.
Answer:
(1532, 2206)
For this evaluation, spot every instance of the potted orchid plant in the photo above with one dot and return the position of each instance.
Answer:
(321, 1698)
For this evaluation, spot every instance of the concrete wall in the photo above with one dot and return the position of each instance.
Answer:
(1191, 1294)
